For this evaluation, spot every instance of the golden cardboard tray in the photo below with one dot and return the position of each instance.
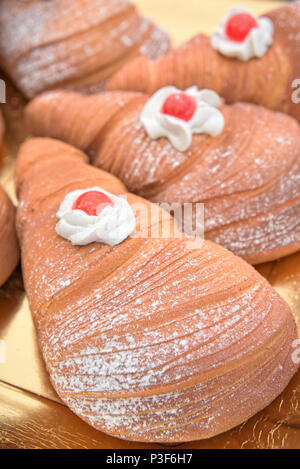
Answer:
(31, 413)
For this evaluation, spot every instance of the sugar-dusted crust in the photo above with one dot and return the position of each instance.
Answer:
(248, 177)
(74, 43)
(9, 250)
(266, 81)
(150, 340)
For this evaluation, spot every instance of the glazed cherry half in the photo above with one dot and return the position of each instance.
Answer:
(92, 202)
(239, 26)
(180, 105)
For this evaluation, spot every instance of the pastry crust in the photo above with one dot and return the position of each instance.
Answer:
(72, 44)
(248, 177)
(9, 250)
(150, 340)
(2, 127)
(266, 81)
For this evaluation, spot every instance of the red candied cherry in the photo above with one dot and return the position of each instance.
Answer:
(92, 202)
(239, 26)
(180, 105)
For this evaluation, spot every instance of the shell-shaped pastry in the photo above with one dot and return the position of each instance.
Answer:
(247, 176)
(271, 80)
(150, 340)
(72, 44)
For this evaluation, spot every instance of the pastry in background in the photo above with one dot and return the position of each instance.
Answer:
(246, 59)
(72, 44)
(146, 338)
(2, 127)
(242, 161)
(9, 250)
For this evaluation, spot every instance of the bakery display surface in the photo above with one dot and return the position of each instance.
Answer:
(28, 403)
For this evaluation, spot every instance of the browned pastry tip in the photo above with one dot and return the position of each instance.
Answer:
(150, 340)
(267, 81)
(9, 249)
(248, 177)
(72, 44)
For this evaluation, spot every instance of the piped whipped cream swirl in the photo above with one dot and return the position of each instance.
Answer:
(111, 226)
(206, 119)
(255, 44)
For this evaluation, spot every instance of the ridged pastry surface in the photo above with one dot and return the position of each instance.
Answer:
(74, 43)
(266, 81)
(248, 177)
(150, 340)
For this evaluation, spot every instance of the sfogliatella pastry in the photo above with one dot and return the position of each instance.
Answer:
(246, 59)
(241, 161)
(72, 44)
(146, 337)
(9, 250)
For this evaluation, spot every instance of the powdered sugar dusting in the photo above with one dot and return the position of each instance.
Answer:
(150, 340)
(249, 183)
(248, 177)
(45, 45)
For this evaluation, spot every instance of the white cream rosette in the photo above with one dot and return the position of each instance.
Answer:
(112, 226)
(255, 44)
(207, 119)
